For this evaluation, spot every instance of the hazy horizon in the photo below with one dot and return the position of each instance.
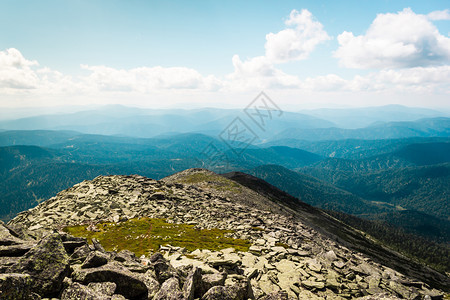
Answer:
(12, 113)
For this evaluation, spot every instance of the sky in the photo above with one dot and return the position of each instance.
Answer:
(164, 54)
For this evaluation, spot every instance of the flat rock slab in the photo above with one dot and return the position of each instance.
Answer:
(105, 288)
(222, 293)
(95, 259)
(16, 249)
(128, 284)
(309, 284)
(79, 291)
(7, 237)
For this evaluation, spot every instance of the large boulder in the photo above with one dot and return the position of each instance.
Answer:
(170, 290)
(150, 282)
(17, 286)
(105, 288)
(163, 269)
(128, 284)
(80, 254)
(192, 284)
(47, 263)
(71, 243)
(8, 236)
(97, 246)
(95, 259)
(130, 261)
(210, 280)
(78, 291)
(10, 243)
(223, 293)
(6, 263)
(239, 290)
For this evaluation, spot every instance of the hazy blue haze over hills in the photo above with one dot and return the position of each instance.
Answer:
(423, 188)
(353, 148)
(362, 117)
(150, 123)
(386, 171)
(436, 127)
(325, 195)
(129, 121)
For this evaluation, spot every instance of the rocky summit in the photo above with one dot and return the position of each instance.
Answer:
(288, 250)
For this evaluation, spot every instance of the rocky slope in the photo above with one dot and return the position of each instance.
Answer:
(294, 251)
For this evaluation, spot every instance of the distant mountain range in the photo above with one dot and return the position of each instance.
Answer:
(366, 116)
(395, 170)
(420, 208)
(353, 148)
(125, 121)
(368, 123)
(435, 127)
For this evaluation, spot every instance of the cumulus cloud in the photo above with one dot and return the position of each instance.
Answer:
(147, 79)
(13, 58)
(408, 49)
(19, 74)
(419, 79)
(439, 15)
(297, 41)
(258, 73)
(400, 40)
(330, 82)
(15, 71)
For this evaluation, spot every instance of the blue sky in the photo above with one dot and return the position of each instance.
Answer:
(216, 53)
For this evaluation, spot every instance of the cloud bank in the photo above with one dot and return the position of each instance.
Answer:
(404, 52)
(401, 40)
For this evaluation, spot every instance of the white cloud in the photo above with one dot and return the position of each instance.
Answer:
(330, 82)
(401, 40)
(16, 71)
(298, 40)
(17, 75)
(428, 80)
(439, 15)
(257, 66)
(13, 58)
(412, 55)
(419, 79)
(147, 79)
(258, 73)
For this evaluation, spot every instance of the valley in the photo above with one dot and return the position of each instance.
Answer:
(393, 191)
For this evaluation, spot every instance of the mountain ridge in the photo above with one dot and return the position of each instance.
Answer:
(207, 201)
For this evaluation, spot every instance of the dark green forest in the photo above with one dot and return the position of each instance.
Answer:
(395, 190)
(417, 248)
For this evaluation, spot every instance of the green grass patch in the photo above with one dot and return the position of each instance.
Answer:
(282, 245)
(214, 181)
(256, 228)
(144, 236)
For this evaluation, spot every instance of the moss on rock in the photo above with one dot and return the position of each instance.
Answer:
(145, 235)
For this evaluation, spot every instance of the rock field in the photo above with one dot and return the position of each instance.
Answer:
(286, 260)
